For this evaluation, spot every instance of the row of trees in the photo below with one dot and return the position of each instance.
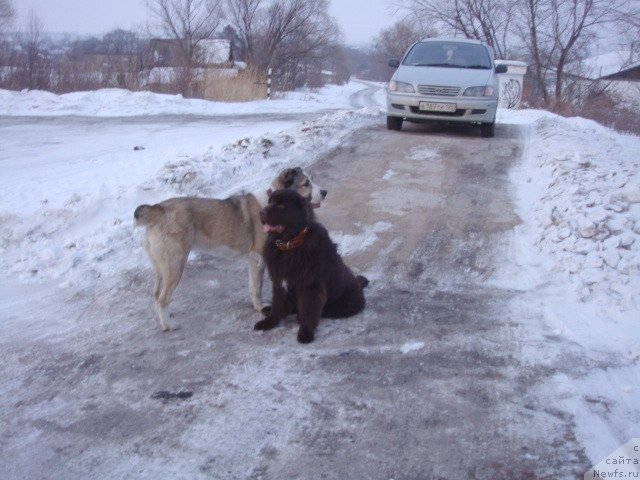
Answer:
(297, 39)
(550, 35)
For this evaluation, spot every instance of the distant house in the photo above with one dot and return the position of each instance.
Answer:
(163, 59)
(630, 73)
(611, 66)
(614, 72)
(216, 52)
(213, 53)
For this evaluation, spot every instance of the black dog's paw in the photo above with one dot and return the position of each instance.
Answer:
(266, 324)
(266, 311)
(362, 281)
(305, 335)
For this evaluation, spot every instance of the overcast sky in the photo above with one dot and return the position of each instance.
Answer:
(360, 20)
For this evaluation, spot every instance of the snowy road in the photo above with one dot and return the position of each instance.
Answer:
(426, 383)
(486, 349)
(436, 360)
(371, 95)
(58, 153)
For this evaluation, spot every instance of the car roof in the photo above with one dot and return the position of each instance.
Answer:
(452, 39)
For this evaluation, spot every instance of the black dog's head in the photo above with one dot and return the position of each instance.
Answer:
(287, 212)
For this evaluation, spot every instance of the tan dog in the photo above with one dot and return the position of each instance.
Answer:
(178, 225)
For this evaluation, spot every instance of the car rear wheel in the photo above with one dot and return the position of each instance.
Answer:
(488, 129)
(394, 123)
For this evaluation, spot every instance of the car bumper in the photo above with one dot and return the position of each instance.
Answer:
(467, 110)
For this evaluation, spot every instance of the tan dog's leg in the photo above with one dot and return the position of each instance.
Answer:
(158, 281)
(171, 273)
(168, 257)
(256, 278)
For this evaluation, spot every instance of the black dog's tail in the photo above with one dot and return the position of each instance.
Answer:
(362, 281)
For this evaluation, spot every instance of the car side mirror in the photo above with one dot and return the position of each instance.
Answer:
(501, 68)
(394, 62)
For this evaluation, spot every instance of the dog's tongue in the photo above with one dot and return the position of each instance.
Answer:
(270, 228)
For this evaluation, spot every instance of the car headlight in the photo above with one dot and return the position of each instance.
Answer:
(401, 87)
(484, 91)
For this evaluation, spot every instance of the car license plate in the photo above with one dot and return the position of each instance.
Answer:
(437, 107)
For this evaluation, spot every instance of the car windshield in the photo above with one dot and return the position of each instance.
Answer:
(448, 55)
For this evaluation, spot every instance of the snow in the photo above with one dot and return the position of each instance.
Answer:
(577, 255)
(64, 226)
(71, 179)
(122, 103)
(579, 198)
(412, 347)
(349, 244)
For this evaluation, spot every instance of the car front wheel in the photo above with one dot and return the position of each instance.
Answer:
(488, 129)
(394, 123)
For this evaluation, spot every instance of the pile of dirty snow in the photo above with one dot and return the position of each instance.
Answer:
(580, 190)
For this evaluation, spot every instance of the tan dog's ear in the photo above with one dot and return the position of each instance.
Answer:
(287, 177)
(292, 175)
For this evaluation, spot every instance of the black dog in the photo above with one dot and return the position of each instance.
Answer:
(307, 274)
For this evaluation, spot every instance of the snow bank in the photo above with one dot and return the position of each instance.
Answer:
(123, 103)
(579, 195)
(578, 266)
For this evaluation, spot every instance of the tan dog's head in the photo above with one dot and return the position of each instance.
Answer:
(300, 181)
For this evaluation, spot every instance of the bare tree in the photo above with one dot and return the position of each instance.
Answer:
(557, 34)
(244, 17)
(189, 23)
(293, 37)
(299, 37)
(7, 14)
(573, 25)
(34, 62)
(627, 19)
(487, 20)
(119, 42)
(553, 34)
(530, 15)
(394, 41)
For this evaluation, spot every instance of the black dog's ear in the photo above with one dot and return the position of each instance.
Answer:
(304, 204)
(269, 192)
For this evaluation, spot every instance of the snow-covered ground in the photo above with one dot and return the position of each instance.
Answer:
(124, 103)
(72, 176)
(70, 184)
(576, 257)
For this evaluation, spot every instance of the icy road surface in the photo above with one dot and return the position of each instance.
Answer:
(426, 383)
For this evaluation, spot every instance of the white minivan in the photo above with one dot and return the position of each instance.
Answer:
(447, 80)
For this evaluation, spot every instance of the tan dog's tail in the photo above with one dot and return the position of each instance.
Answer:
(148, 214)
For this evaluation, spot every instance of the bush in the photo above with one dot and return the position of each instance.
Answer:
(605, 109)
(246, 86)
